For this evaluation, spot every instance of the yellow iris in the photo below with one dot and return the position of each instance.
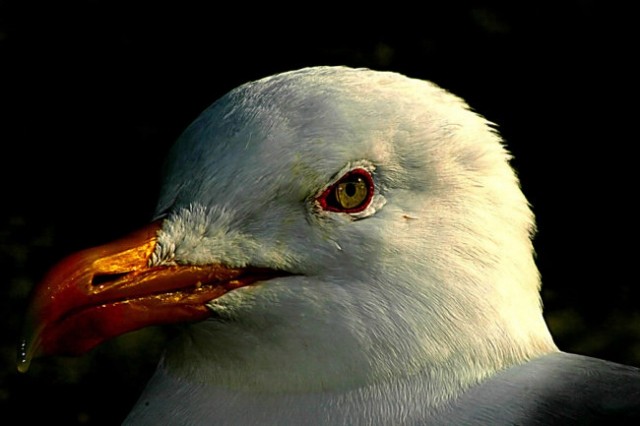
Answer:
(351, 193)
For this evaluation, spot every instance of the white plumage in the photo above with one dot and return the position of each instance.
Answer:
(420, 306)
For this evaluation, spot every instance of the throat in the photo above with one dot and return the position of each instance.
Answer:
(267, 345)
(225, 354)
(228, 356)
(201, 403)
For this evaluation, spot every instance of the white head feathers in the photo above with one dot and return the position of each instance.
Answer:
(435, 277)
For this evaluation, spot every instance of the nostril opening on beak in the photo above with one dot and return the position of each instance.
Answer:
(101, 279)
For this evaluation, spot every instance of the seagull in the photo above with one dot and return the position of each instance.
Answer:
(344, 247)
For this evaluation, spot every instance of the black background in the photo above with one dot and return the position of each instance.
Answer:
(93, 93)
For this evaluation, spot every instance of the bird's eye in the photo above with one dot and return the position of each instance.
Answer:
(351, 194)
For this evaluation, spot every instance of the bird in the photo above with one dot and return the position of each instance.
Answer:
(343, 246)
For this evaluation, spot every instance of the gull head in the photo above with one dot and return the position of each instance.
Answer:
(392, 208)
(322, 229)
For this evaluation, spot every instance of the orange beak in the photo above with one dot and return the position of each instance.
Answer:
(100, 293)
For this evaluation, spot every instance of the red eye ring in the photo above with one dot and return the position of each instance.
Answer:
(352, 193)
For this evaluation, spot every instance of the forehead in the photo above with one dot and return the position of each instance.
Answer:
(304, 130)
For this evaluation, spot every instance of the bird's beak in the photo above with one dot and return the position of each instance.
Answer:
(103, 292)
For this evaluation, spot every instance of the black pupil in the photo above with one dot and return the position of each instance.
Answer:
(350, 189)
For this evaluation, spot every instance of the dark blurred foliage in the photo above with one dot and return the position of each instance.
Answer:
(93, 93)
